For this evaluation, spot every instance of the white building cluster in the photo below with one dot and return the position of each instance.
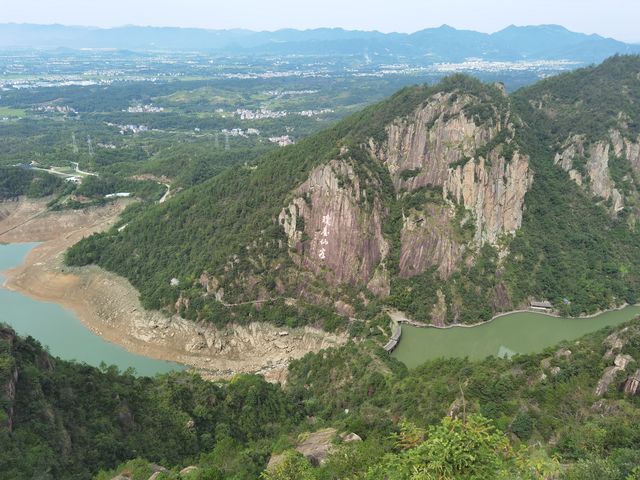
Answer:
(282, 141)
(144, 109)
(261, 114)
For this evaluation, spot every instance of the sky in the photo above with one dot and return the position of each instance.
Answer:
(611, 18)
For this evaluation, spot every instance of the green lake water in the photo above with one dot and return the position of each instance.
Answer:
(60, 331)
(514, 333)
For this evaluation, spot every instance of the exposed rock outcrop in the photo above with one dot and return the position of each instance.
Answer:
(334, 229)
(619, 364)
(428, 240)
(591, 163)
(632, 384)
(430, 139)
(317, 446)
(189, 469)
(494, 191)
(350, 437)
(615, 342)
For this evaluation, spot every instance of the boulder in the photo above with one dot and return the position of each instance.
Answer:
(619, 364)
(317, 446)
(632, 384)
(274, 461)
(188, 469)
(351, 437)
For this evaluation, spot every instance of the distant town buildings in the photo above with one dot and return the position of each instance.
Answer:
(264, 113)
(314, 113)
(129, 128)
(282, 141)
(261, 114)
(64, 109)
(144, 109)
(288, 93)
(238, 132)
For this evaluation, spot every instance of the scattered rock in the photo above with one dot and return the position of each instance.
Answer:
(632, 384)
(317, 446)
(344, 309)
(615, 342)
(157, 471)
(622, 361)
(609, 375)
(456, 407)
(351, 437)
(274, 461)
(188, 469)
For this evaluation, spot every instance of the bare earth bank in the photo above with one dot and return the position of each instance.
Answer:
(109, 305)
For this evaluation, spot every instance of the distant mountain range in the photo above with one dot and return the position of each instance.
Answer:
(543, 42)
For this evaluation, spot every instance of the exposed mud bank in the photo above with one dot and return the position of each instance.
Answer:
(109, 305)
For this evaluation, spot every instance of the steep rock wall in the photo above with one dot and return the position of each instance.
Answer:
(430, 139)
(428, 240)
(494, 191)
(333, 228)
(596, 164)
(421, 151)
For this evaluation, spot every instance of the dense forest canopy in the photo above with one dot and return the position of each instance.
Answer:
(518, 418)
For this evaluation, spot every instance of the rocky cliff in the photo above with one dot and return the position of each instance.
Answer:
(494, 191)
(428, 239)
(589, 165)
(333, 228)
(421, 146)
(444, 144)
(453, 165)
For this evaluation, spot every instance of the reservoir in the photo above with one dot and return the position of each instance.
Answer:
(60, 331)
(525, 332)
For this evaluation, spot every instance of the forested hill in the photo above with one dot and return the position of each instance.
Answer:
(450, 202)
(569, 413)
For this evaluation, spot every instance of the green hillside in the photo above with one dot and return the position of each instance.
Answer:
(569, 249)
(535, 416)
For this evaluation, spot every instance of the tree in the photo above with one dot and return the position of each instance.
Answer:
(292, 467)
(455, 449)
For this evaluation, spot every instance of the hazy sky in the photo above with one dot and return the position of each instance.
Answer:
(614, 18)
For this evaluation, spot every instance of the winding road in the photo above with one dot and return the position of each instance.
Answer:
(166, 194)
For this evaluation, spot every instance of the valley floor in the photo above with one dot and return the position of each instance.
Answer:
(109, 306)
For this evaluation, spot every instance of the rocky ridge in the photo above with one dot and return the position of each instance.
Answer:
(588, 165)
(335, 230)
(332, 227)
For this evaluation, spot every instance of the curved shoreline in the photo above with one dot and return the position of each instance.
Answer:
(109, 305)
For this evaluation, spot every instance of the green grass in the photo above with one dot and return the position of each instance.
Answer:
(11, 112)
